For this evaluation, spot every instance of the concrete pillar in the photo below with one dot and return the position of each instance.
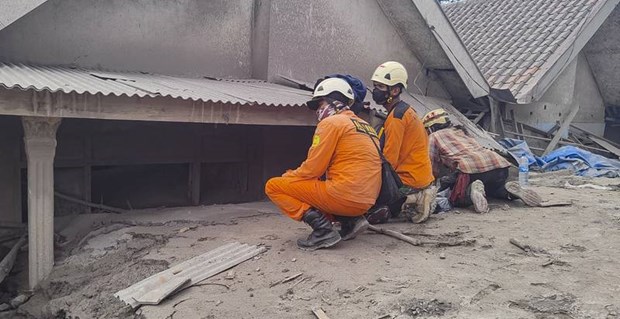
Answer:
(40, 142)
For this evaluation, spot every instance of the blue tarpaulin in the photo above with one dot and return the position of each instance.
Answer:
(584, 163)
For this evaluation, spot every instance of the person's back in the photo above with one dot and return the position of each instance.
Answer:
(342, 150)
(405, 146)
(354, 170)
(457, 150)
(474, 172)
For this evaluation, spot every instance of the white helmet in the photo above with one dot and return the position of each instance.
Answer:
(330, 85)
(391, 73)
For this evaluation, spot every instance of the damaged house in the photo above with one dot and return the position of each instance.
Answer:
(550, 63)
(136, 104)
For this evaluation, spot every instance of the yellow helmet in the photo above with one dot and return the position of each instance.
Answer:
(438, 116)
(391, 73)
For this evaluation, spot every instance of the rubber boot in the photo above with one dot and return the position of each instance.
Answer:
(350, 227)
(378, 215)
(323, 234)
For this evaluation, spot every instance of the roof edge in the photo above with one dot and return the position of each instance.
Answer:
(460, 58)
(565, 54)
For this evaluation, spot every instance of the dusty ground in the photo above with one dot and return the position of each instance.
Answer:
(571, 272)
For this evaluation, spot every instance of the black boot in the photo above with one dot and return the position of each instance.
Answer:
(378, 215)
(323, 235)
(350, 227)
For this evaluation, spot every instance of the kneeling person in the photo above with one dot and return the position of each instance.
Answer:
(342, 149)
(474, 170)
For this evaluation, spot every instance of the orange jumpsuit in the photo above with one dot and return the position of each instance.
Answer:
(405, 146)
(343, 151)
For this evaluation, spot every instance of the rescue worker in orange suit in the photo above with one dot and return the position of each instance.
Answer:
(474, 171)
(405, 145)
(342, 149)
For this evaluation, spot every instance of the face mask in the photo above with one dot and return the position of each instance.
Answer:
(380, 97)
(326, 112)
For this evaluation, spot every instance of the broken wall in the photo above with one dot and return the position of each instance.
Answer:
(575, 86)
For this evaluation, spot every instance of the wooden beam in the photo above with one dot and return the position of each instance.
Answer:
(479, 117)
(9, 260)
(560, 142)
(603, 142)
(89, 204)
(161, 109)
(497, 125)
(194, 182)
(514, 120)
(563, 128)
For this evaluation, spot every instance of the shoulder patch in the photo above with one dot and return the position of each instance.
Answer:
(400, 109)
(364, 128)
(315, 141)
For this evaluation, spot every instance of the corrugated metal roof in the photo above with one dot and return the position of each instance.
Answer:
(79, 80)
(189, 272)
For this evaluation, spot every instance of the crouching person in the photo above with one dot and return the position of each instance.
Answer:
(475, 172)
(344, 152)
(405, 147)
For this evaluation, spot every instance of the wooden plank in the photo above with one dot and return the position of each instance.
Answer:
(7, 263)
(89, 204)
(588, 133)
(4, 224)
(155, 296)
(556, 202)
(604, 144)
(479, 117)
(563, 128)
(194, 182)
(496, 118)
(514, 120)
(560, 142)
(534, 130)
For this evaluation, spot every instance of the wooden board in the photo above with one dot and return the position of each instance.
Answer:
(563, 128)
(556, 202)
(605, 144)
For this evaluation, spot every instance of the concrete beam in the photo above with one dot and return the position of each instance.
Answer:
(162, 109)
(40, 142)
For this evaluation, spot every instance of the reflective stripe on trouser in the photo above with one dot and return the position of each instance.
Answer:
(294, 197)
